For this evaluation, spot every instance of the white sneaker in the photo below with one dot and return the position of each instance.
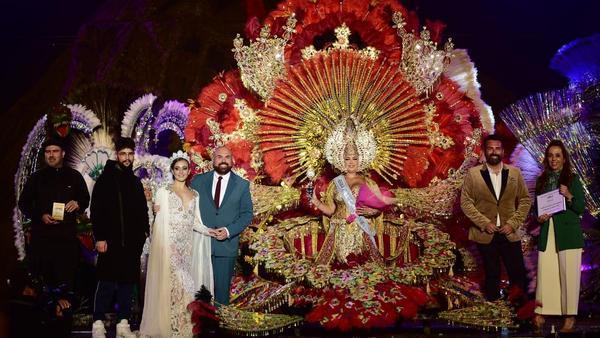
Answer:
(98, 330)
(124, 331)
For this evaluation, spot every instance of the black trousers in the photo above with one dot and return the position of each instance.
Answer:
(55, 261)
(104, 296)
(512, 257)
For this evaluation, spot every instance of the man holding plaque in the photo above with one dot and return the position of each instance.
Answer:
(495, 198)
(52, 198)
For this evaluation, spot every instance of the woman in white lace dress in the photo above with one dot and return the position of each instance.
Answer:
(179, 262)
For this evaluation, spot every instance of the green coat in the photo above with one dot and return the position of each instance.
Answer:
(567, 224)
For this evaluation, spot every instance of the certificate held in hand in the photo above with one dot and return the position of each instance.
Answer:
(551, 203)
(58, 211)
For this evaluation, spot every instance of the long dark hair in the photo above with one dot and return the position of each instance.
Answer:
(566, 175)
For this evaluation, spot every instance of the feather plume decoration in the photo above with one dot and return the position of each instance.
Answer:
(462, 71)
(27, 165)
(80, 146)
(137, 122)
(530, 167)
(132, 115)
(83, 119)
(172, 116)
(88, 155)
(579, 61)
(155, 170)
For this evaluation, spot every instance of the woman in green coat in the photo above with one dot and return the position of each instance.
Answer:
(561, 241)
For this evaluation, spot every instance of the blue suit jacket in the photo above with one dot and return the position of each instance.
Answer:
(234, 213)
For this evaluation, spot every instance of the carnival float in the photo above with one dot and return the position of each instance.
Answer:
(314, 79)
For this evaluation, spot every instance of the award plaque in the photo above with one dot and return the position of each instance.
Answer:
(58, 211)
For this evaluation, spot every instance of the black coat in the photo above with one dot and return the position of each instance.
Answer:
(43, 188)
(119, 215)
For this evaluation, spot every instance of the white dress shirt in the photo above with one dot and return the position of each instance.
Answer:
(224, 182)
(497, 184)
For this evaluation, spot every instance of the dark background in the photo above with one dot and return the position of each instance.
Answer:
(52, 49)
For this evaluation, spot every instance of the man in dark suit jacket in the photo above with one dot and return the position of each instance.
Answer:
(226, 207)
(495, 198)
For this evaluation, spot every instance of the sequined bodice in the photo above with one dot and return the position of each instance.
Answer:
(181, 224)
(341, 212)
(182, 219)
(348, 236)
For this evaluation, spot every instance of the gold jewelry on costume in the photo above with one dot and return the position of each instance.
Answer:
(263, 62)
(350, 136)
(307, 116)
(422, 61)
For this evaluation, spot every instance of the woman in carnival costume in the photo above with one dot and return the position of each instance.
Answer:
(350, 216)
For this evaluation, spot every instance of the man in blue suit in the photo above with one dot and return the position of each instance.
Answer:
(225, 207)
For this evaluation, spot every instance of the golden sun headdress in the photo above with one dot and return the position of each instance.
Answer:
(307, 115)
(305, 119)
(350, 135)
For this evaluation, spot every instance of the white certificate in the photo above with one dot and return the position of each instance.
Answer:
(550, 203)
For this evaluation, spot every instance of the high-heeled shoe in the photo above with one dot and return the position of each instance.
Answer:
(538, 324)
(569, 325)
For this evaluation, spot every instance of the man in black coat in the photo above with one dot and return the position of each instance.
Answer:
(119, 215)
(52, 198)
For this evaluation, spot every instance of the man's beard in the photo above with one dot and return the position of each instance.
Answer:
(493, 159)
(222, 170)
(125, 164)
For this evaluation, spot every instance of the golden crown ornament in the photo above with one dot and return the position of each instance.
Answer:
(342, 35)
(422, 63)
(263, 61)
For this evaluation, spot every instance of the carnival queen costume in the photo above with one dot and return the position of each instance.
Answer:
(347, 232)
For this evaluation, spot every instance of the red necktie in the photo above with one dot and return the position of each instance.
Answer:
(218, 192)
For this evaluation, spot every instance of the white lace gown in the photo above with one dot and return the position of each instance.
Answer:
(178, 265)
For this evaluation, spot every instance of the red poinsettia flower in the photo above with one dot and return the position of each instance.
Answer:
(203, 314)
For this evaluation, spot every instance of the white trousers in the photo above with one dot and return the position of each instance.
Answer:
(558, 279)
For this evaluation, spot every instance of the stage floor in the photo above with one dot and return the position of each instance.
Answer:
(587, 328)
